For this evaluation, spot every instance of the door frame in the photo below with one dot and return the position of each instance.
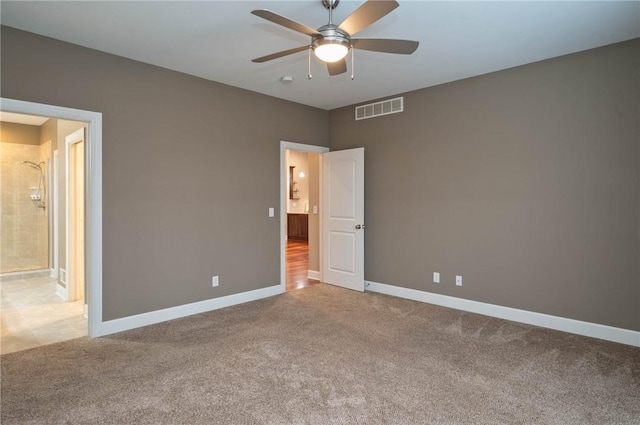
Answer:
(53, 204)
(71, 252)
(283, 202)
(93, 191)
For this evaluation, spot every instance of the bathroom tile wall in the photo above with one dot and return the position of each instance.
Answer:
(23, 226)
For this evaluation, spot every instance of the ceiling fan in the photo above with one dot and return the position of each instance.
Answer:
(331, 42)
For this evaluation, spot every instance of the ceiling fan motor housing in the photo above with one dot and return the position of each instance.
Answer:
(331, 34)
(330, 3)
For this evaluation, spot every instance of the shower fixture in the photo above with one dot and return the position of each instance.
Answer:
(33, 165)
(39, 193)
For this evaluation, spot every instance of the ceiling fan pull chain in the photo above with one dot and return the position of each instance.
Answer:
(353, 69)
(331, 12)
(309, 76)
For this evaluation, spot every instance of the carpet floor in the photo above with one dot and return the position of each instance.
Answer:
(326, 355)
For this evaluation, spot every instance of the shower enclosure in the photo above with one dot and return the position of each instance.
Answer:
(24, 207)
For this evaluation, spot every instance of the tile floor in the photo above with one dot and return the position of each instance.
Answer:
(31, 315)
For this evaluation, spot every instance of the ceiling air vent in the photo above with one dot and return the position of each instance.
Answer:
(376, 109)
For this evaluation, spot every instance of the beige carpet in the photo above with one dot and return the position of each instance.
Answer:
(325, 355)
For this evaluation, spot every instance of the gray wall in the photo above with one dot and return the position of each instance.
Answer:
(524, 181)
(190, 168)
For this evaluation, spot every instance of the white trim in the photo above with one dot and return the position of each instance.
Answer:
(49, 210)
(62, 292)
(593, 330)
(283, 202)
(24, 274)
(70, 139)
(53, 205)
(158, 316)
(320, 224)
(313, 274)
(93, 223)
(93, 237)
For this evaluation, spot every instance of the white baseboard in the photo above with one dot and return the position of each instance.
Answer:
(153, 317)
(594, 330)
(312, 274)
(62, 292)
(53, 273)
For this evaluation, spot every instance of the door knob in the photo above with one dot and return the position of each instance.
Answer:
(359, 226)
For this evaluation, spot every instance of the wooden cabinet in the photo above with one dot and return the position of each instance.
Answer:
(298, 226)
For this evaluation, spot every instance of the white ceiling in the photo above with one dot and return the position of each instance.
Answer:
(22, 119)
(216, 40)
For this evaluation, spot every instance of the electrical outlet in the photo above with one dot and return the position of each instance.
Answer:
(458, 280)
(436, 277)
(271, 212)
(214, 281)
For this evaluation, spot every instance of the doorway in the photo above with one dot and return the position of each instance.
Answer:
(35, 312)
(93, 202)
(302, 223)
(340, 218)
(300, 215)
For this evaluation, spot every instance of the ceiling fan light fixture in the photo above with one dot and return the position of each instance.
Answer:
(331, 51)
(331, 42)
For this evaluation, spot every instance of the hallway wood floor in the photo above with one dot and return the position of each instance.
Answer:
(298, 265)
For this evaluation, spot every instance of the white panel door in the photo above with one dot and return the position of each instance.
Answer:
(343, 218)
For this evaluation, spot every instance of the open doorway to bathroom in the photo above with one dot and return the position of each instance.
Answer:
(302, 198)
(34, 280)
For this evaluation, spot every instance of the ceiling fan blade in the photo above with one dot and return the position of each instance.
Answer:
(385, 45)
(285, 22)
(366, 15)
(280, 54)
(337, 67)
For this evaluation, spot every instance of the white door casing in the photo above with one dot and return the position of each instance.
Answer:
(74, 217)
(343, 218)
(53, 204)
